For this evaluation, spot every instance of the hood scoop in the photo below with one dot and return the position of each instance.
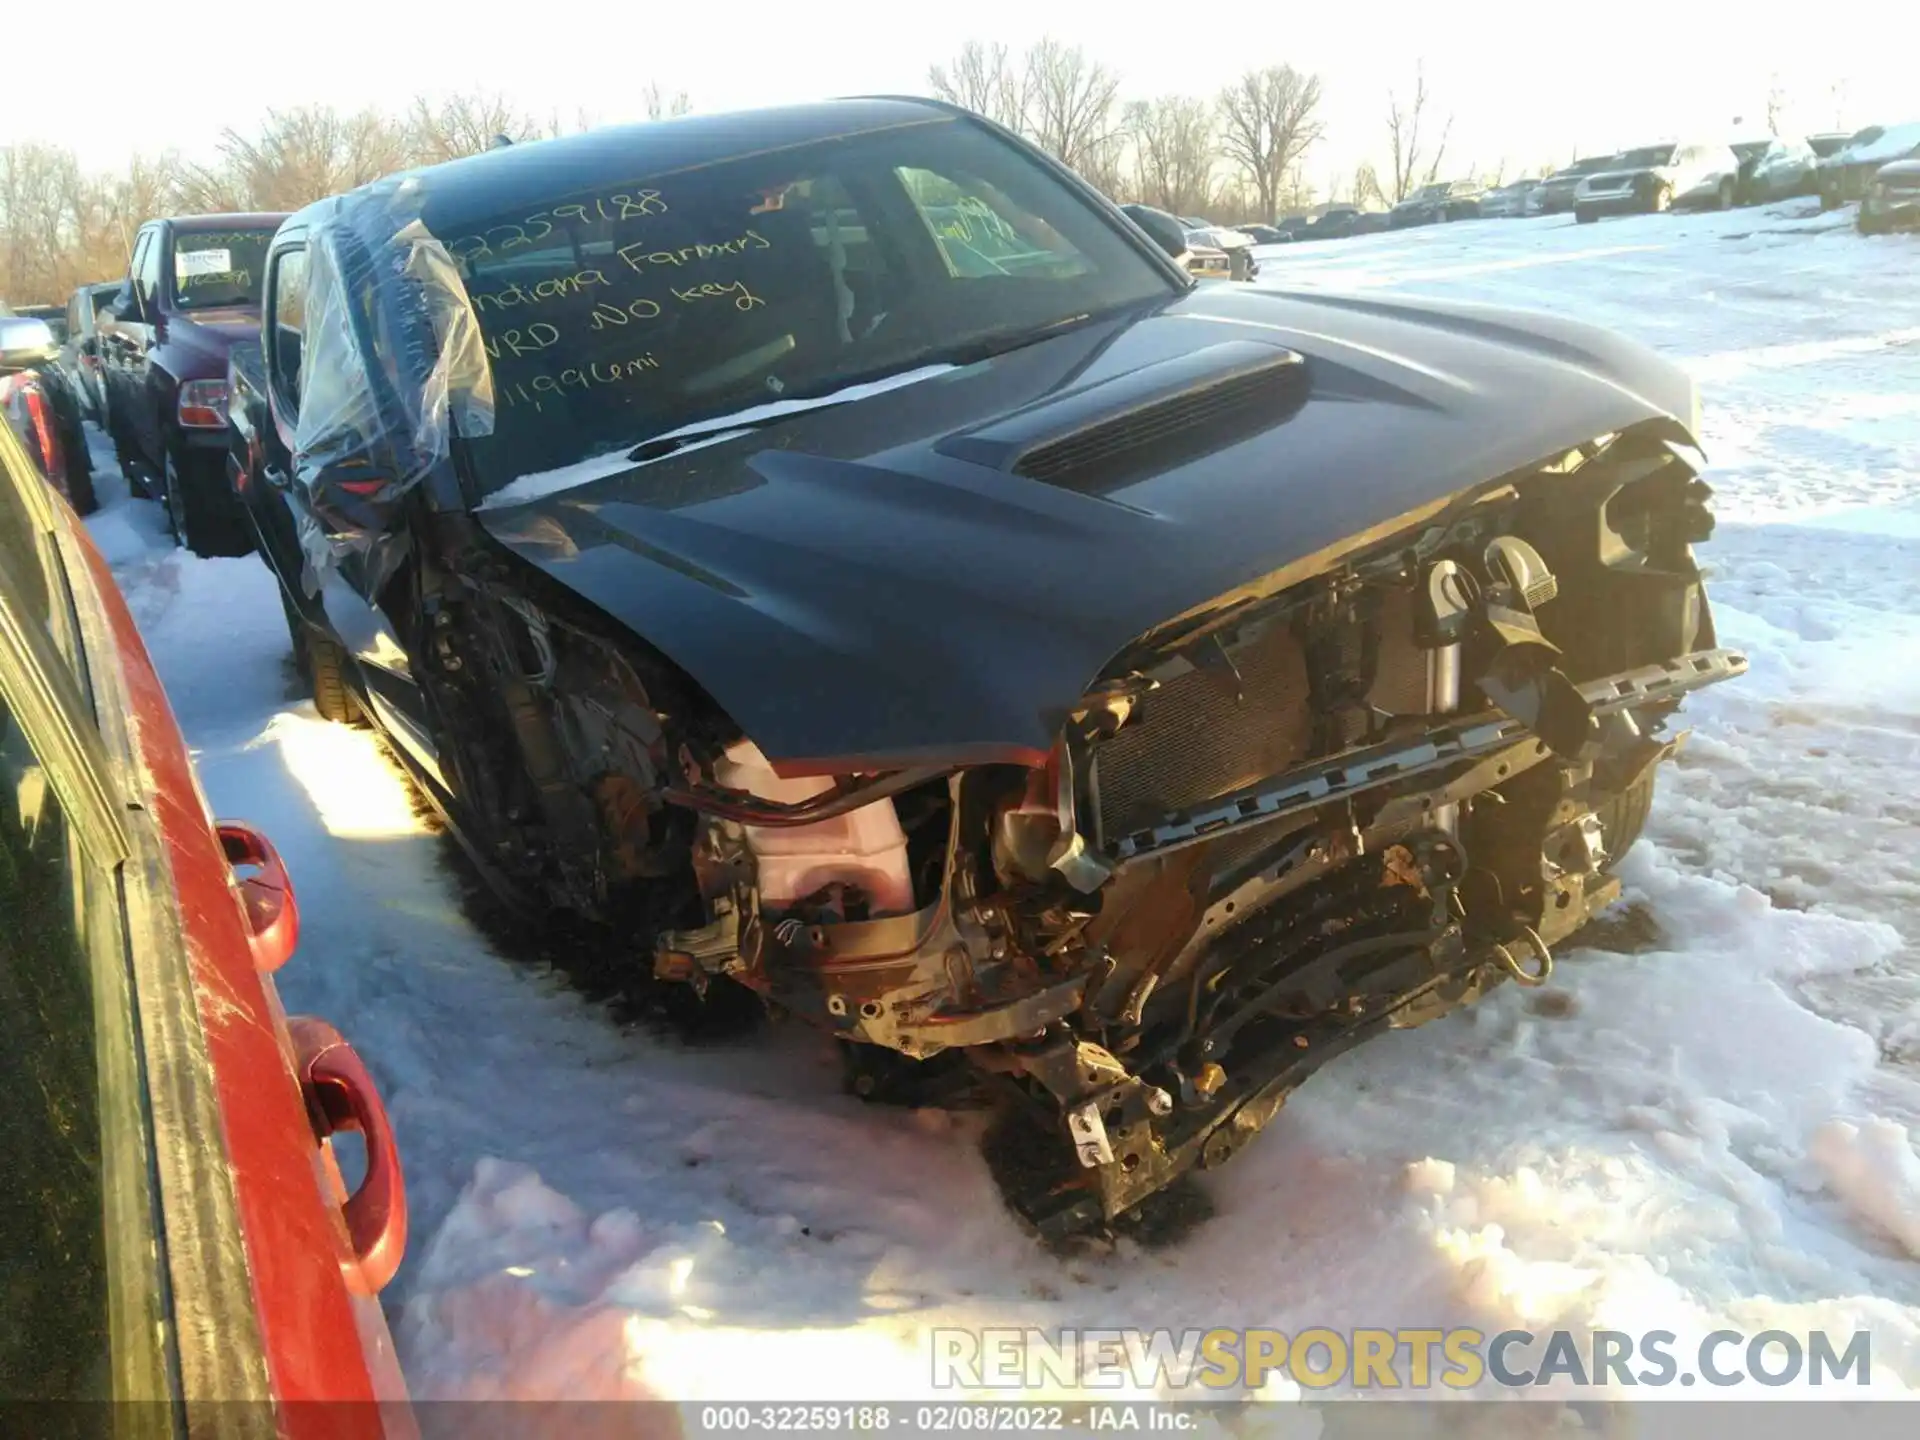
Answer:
(1107, 435)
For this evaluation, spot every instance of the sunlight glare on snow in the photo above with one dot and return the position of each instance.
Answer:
(353, 787)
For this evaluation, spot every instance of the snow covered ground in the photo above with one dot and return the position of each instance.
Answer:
(1706, 1122)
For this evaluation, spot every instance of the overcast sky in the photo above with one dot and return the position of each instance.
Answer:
(1526, 82)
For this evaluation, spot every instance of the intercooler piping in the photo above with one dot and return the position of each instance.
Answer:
(1443, 698)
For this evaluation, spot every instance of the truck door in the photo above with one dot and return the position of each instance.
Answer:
(345, 606)
(149, 282)
(114, 342)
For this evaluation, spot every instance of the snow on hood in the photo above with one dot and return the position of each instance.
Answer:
(713, 431)
(1892, 145)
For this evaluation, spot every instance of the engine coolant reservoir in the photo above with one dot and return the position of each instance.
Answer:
(864, 848)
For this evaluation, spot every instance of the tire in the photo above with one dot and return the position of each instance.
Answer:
(1624, 817)
(1726, 194)
(202, 511)
(126, 454)
(1584, 217)
(323, 664)
(80, 491)
(79, 471)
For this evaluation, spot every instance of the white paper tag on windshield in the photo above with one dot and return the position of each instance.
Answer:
(202, 262)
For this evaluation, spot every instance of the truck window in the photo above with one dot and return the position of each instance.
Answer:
(219, 267)
(146, 268)
(53, 1243)
(78, 1250)
(981, 232)
(287, 315)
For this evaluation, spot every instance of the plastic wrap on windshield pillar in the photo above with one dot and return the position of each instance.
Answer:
(393, 365)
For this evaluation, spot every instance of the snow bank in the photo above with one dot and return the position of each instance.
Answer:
(1873, 1169)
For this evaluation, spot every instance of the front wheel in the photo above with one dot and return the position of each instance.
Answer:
(322, 663)
(1662, 199)
(1726, 194)
(1585, 217)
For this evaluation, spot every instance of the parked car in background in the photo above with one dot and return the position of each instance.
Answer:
(821, 683)
(1555, 196)
(1265, 234)
(1437, 203)
(1333, 223)
(193, 289)
(1236, 245)
(177, 1231)
(1892, 201)
(1205, 260)
(1656, 178)
(1171, 234)
(1511, 201)
(80, 350)
(1774, 168)
(41, 408)
(1845, 175)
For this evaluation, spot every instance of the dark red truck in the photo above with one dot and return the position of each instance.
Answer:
(192, 291)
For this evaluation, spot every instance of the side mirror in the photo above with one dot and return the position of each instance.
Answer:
(1161, 228)
(127, 306)
(25, 344)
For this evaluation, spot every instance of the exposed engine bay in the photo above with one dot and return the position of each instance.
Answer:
(1346, 800)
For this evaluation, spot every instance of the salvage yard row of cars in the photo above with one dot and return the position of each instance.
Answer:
(1875, 166)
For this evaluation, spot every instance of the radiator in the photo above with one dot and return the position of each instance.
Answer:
(1191, 741)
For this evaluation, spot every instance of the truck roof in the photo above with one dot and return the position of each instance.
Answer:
(534, 173)
(248, 220)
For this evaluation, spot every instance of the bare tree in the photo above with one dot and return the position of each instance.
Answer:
(1367, 189)
(1776, 103)
(39, 185)
(464, 125)
(1103, 164)
(1267, 121)
(664, 107)
(1173, 152)
(299, 156)
(1404, 123)
(1070, 102)
(985, 79)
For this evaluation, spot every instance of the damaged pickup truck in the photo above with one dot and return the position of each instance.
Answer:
(1007, 650)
